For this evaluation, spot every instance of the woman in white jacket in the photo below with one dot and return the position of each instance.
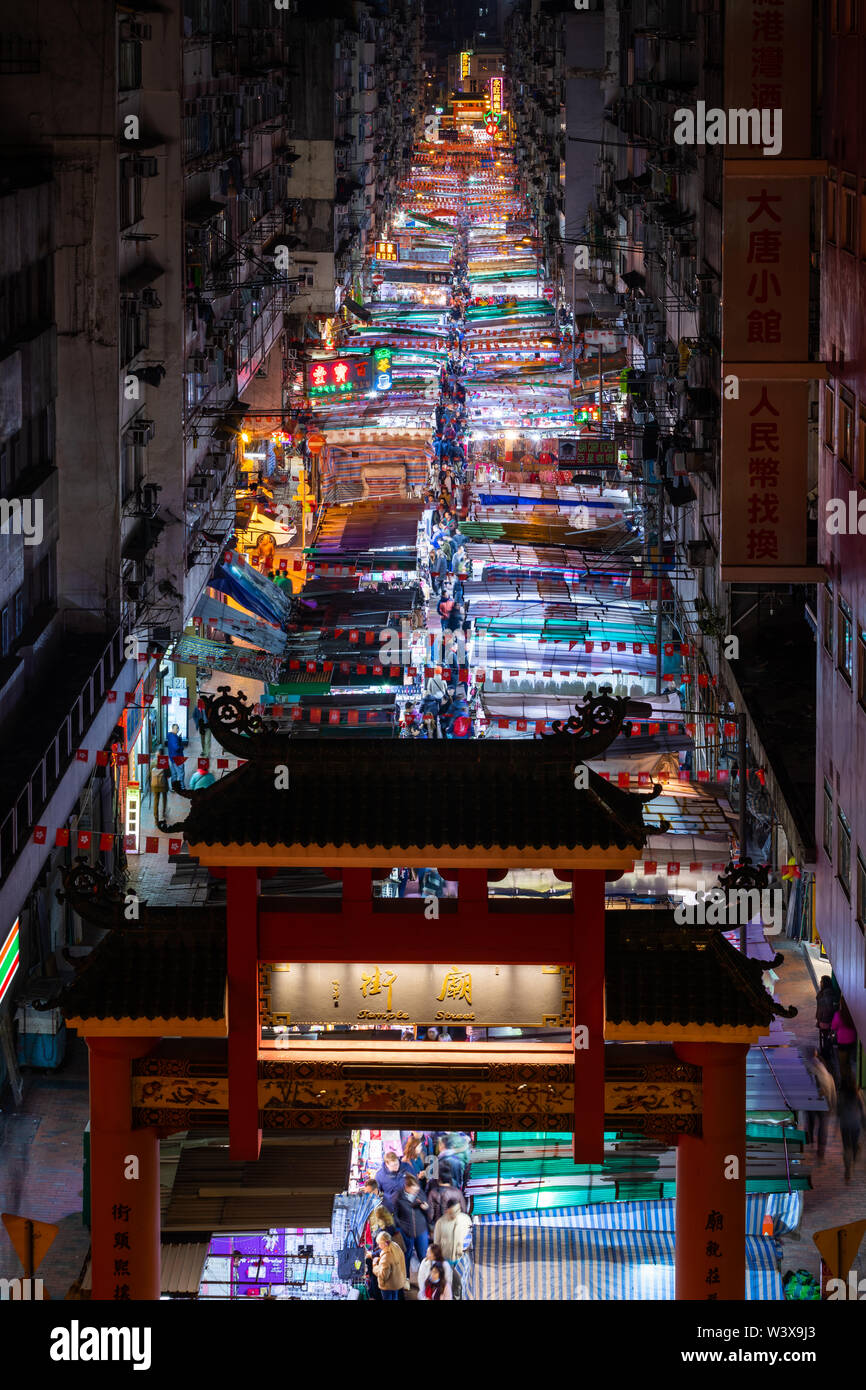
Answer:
(434, 1256)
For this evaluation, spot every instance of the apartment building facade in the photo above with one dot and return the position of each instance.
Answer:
(841, 682)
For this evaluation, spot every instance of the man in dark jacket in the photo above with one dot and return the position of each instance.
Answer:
(412, 1215)
(390, 1178)
(439, 1194)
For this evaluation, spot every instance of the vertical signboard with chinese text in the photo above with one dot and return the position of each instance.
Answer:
(765, 291)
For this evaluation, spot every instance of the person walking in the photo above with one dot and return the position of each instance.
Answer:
(433, 1257)
(412, 1214)
(440, 1193)
(453, 1233)
(158, 789)
(825, 1007)
(850, 1107)
(436, 1284)
(203, 730)
(815, 1121)
(389, 1268)
(846, 1040)
(390, 1178)
(381, 1219)
(175, 745)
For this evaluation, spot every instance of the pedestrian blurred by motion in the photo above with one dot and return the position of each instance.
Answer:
(826, 1004)
(815, 1121)
(846, 1040)
(850, 1108)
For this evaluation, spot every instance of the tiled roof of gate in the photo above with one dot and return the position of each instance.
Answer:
(408, 792)
(655, 972)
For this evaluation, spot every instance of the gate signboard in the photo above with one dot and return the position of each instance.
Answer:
(374, 993)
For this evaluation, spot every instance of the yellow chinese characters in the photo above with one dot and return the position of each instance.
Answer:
(376, 982)
(456, 985)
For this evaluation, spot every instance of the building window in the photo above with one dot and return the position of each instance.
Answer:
(44, 581)
(846, 428)
(830, 207)
(129, 190)
(829, 416)
(843, 842)
(849, 215)
(861, 891)
(845, 645)
(133, 464)
(129, 65)
(134, 330)
(828, 820)
(828, 618)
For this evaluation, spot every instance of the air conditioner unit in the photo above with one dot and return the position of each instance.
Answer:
(140, 31)
(132, 590)
(150, 299)
(145, 167)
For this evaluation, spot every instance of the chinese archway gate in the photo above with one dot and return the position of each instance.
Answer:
(198, 978)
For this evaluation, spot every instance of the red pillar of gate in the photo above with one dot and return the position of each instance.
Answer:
(242, 951)
(588, 891)
(711, 1179)
(124, 1178)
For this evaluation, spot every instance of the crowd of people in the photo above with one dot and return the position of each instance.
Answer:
(444, 710)
(421, 1215)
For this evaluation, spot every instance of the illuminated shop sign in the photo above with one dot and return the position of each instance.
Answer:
(464, 64)
(496, 95)
(383, 376)
(341, 377)
(10, 958)
(386, 251)
(489, 996)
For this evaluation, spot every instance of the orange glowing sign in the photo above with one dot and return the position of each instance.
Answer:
(464, 64)
(387, 251)
(496, 95)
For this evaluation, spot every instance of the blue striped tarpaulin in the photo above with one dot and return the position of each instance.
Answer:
(538, 1261)
(786, 1209)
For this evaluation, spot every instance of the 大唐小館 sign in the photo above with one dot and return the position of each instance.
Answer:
(374, 993)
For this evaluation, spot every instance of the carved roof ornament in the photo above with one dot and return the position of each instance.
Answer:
(238, 729)
(597, 721)
(101, 900)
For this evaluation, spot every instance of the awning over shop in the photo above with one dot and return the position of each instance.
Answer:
(245, 625)
(547, 1256)
(221, 656)
(358, 310)
(233, 576)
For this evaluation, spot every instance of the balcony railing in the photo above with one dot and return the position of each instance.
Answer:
(16, 829)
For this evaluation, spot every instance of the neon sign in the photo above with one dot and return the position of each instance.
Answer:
(340, 377)
(383, 377)
(464, 64)
(386, 251)
(496, 95)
